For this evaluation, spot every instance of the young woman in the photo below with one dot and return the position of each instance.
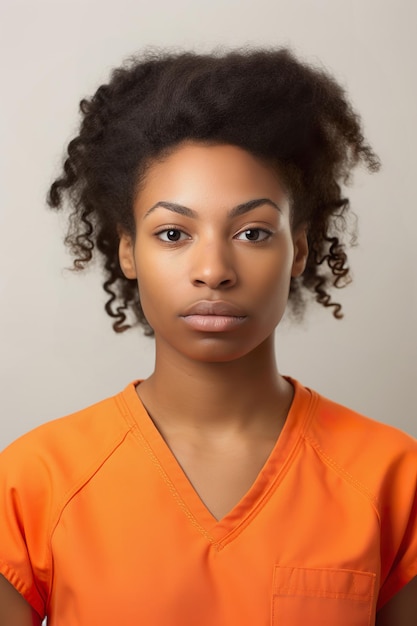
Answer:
(216, 492)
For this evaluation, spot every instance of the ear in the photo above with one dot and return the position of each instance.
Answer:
(300, 251)
(127, 255)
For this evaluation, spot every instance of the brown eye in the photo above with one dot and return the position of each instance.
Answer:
(254, 234)
(171, 235)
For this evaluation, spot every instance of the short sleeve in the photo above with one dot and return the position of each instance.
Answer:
(399, 524)
(25, 510)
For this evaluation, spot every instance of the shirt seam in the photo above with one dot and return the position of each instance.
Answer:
(136, 431)
(74, 490)
(347, 476)
(233, 534)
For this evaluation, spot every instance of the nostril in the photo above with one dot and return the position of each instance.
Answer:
(226, 282)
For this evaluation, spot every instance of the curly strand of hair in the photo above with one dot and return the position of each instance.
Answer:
(95, 112)
(119, 325)
(322, 297)
(70, 175)
(105, 242)
(81, 244)
(336, 259)
(337, 262)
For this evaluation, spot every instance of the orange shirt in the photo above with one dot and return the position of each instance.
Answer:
(99, 525)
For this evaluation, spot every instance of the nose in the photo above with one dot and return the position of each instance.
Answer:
(213, 266)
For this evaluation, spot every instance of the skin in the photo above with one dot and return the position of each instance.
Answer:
(222, 395)
(14, 610)
(401, 610)
(215, 395)
(212, 393)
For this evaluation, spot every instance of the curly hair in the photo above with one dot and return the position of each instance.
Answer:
(266, 101)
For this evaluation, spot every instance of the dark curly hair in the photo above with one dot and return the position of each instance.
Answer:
(267, 102)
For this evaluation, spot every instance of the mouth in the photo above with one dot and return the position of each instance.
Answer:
(213, 316)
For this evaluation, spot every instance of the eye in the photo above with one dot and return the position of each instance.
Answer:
(172, 235)
(254, 234)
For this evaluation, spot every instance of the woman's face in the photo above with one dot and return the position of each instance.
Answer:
(214, 251)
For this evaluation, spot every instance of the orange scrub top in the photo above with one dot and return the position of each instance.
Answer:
(99, 524)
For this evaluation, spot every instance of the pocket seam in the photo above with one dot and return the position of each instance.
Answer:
(284, 591)
(330, 593)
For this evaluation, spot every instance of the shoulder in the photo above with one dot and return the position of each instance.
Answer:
(379, 463)
(58, 455)
(365, 451)
(40, 474)
(342, 431)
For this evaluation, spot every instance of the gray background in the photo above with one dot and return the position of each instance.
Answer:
(58, 352)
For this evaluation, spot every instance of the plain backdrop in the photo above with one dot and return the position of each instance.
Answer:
(58, 352)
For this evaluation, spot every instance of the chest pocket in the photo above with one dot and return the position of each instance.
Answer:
(322, 597)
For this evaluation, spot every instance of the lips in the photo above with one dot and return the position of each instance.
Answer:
(217, 316)
(214, 307)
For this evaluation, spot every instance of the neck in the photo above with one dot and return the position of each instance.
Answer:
(241, 394)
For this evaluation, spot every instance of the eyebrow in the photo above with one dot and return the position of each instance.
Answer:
(240, 209)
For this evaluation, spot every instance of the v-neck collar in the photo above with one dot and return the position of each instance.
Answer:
(222, 531)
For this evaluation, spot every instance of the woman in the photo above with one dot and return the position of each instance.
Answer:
(216, 491)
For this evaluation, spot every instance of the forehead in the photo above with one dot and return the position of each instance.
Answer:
(197, 172)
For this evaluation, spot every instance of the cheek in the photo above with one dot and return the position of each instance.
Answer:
(152, 302)
(157, 285)
(271, 295)
(271, 277)
(148, 284)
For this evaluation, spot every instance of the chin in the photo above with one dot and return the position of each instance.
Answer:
(210, 351)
